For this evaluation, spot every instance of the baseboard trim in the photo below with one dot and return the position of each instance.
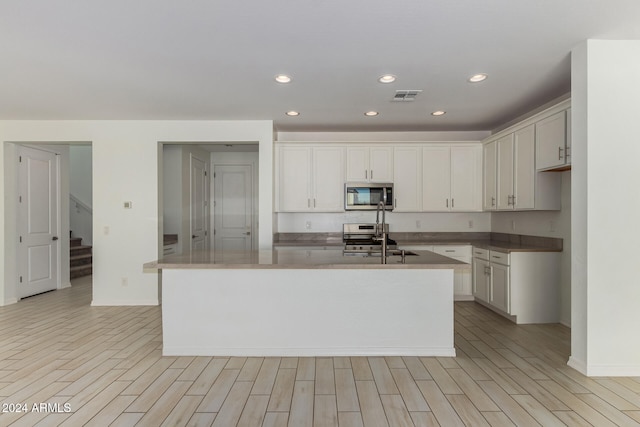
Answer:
(8, 301)
(309, 352)
(108, 303)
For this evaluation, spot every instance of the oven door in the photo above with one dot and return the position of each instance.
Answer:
(367, 196)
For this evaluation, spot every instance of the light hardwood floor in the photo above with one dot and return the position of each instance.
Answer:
(105, 364)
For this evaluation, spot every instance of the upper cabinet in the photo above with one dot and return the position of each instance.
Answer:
(407, 178)
(310, 178)
(369, 163)
(514, 161)
(452, 178)
(553, 141)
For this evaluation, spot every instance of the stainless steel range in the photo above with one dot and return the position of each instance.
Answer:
(359, 240)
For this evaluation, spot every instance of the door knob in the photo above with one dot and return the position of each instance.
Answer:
(248, 233)
(54, 238)
(193, 236)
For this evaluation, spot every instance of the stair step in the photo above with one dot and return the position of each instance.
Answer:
(80, 250)
(80, 260)
(80, 271)
(75, 241)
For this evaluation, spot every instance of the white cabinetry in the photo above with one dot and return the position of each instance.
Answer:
(462, 280)
(407, 179)
(516, 171)
(511, 181)
(310, 178)
(522, 286)
(451, 178)
(552, 141)
(369, 164)
(481, 274)
(490, 171)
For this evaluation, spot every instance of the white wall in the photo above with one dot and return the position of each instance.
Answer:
(125, 168)
(606, 207)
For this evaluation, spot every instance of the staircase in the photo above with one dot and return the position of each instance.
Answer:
(80, 258)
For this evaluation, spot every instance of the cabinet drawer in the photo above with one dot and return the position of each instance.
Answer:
(481, 253)
(499, 257)
(453, 250)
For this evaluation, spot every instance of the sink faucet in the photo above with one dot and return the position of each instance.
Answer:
(381, 234)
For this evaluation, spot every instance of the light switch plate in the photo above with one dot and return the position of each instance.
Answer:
(128, 205)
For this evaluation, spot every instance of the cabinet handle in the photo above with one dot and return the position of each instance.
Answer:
(308, 203)
(450, 250)
(371, 174)
(366, 174)
(314, 202)
(447, 202)
(395, 202)
(452, 202)
(513, 200)
(567, 152)
(508, 200)
(560, 149)
(493, 201)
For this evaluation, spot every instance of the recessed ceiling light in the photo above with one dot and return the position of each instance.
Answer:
(371, 113)
(292, 113)
(478, 78)
(387, 78)
(282, 78)
(439, 113)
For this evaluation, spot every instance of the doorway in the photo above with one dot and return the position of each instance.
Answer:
(194, 174)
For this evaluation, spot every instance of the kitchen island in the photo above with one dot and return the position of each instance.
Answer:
(306, 303)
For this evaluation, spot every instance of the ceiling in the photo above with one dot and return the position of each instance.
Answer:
(216, 59)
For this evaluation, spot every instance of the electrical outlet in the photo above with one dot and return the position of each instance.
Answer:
(470, 223)
(106, 230)
(513, 224)
(418, 224)
(552, 225)
(125, 282)
(307, 225)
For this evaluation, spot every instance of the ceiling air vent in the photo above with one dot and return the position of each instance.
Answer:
(405, 95)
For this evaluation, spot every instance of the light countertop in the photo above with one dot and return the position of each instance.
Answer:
(301, 259)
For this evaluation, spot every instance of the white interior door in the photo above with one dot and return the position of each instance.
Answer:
(233, 207)
(198, 204)
(39, 242)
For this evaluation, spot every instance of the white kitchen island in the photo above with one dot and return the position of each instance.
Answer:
(306, 303)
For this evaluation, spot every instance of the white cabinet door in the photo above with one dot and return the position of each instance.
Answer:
(551, 141)
(328, 179)
(407, 179)
(490, 172)
(369, 164)
(381, 164)
(505, 172)
(499, 295)
(567, 151)
(466, 178)
(481, 279)
(357, 164)
(524, 171)
(295, 179)
(436, 178)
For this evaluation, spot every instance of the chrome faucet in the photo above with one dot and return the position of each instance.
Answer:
(381, 233)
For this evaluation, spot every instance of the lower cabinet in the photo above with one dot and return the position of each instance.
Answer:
(522, 286)
(462, 281)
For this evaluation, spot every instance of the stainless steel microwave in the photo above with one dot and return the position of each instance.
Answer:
(359, 196)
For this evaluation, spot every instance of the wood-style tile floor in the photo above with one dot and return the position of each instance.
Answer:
(103, 366)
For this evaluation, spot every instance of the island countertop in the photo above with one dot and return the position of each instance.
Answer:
(301, 259)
